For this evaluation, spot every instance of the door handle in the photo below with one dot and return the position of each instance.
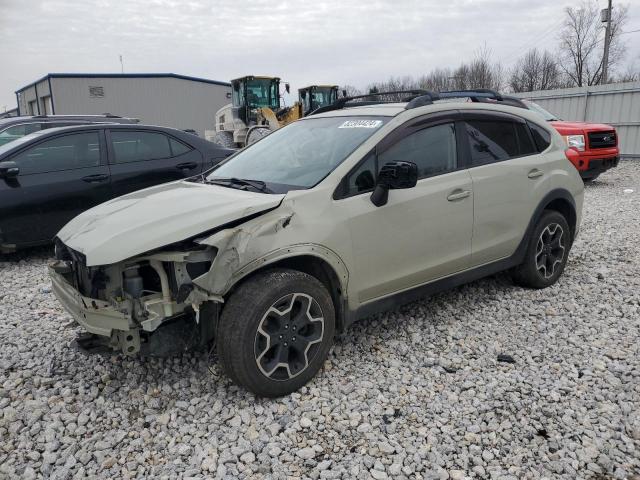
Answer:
(458, 195)
(186, 165)
(100, 177)
(535, 173)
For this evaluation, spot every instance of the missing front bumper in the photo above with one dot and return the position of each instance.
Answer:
(96, 316)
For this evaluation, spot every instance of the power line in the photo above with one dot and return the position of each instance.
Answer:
(537, 40)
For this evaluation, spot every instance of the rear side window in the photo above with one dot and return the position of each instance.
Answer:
(541, 136)
(432, 149)
(525, 142)
(137, 146)
(70, 152)
(178, 148)
(491, 141)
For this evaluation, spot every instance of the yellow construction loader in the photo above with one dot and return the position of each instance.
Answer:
(255, 109)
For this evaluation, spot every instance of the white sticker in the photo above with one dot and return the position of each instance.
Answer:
(361, 124)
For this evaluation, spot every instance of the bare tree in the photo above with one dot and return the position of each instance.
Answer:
(438, 80)
(350, 90)
(481, 72)
(535, 71)
(581, 42)
(394, 84)
(629, 75)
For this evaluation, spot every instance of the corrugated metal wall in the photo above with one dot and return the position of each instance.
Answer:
(616, 104)
(165, 101)
(34, 93)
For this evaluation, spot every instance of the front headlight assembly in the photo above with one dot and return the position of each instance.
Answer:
(575, 141)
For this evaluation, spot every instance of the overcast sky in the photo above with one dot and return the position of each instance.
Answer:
(324, 41)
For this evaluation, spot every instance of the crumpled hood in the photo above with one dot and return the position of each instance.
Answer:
(151, 218)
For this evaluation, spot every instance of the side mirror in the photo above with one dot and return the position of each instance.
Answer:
(344, 93)
(287, 87)
(9, 169)
(392, 176)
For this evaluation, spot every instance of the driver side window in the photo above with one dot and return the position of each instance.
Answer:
(432, 149)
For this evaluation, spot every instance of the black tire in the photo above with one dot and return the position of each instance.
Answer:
(256, 134)
(258, 326)
(590, 179)
(224, 139)
(547, 252)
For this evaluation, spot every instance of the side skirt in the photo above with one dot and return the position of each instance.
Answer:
(396, 300)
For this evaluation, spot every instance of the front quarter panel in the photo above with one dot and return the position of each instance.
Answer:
(304, 224)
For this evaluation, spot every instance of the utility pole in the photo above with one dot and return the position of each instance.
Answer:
(607, 41)
(121, 64)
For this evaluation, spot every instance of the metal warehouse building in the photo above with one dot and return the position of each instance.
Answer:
(164, 99)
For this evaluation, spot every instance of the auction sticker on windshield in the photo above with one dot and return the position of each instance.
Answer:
(361, 124)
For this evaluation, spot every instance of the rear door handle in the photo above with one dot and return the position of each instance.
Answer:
(100, 177)
(535, 173)
(187, 165)
(458, 195)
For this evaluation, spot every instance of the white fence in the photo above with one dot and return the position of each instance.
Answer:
(616, 104)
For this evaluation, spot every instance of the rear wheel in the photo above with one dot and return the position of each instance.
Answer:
(547, 252)
(256, 134)
(224, 139)
(275, 332)
(590, 179)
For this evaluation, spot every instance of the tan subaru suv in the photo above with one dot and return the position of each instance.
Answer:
(356, 209)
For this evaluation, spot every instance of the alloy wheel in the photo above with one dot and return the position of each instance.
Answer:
(550, 250)
(289, 335)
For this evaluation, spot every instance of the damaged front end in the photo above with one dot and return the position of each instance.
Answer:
(148, 304)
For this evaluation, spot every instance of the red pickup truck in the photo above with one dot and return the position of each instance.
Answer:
(596, 143)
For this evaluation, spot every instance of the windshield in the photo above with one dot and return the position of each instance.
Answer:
(301, 154)
(262, 93)
(322, 97)
(548, 116)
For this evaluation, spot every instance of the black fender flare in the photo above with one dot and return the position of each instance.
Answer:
(555, 194)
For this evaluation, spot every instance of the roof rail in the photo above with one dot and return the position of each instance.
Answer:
(343, 102)
(106, 115)
(474, 94)
(417, 98)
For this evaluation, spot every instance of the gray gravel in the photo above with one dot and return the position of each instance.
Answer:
(414, 393)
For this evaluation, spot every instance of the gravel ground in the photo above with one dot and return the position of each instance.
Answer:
(414, 393)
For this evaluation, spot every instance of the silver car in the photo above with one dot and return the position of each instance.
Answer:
(342, 214)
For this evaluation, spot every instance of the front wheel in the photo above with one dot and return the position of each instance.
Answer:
(275, 332)
(256, 134)
(224, 139)
(547, 252)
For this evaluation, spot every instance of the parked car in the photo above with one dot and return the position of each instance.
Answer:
(330, 219)
(596, 143)
(49, 177)
(16, 127)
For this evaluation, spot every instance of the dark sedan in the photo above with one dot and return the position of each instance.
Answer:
(49, 177)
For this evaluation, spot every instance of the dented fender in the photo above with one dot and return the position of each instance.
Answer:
(241, 251)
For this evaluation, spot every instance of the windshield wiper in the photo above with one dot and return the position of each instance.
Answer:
(257, 184)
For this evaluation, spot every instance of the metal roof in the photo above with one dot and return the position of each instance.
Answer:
(124, 75)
